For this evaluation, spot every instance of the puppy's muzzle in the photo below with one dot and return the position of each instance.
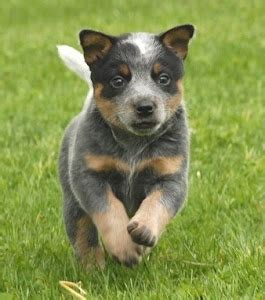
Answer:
(145, 108)
(145, 114)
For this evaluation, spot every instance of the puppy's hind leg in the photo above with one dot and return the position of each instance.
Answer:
(82, 234)
(81, 231)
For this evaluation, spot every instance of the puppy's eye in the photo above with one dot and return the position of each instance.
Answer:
(117, 82)
(164, 79)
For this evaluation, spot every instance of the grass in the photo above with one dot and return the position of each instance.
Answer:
(215, 248)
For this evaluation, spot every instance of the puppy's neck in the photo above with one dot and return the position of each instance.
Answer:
(129, 144)
(130, 141)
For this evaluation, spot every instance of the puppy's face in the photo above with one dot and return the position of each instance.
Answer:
(137, 77)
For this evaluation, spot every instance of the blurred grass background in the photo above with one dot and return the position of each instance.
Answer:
(215, 248)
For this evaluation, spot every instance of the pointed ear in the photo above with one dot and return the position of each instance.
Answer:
(95, 44)
(177, 39)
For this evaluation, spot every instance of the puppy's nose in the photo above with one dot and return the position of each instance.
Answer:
(145, 108)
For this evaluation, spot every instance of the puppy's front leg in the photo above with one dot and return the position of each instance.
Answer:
(156, 210)
(108, 215)
(112, 225)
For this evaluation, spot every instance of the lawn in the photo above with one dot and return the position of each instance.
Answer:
(215, 248)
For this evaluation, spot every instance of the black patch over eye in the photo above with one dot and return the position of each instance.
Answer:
(164, 79)
(118, 82)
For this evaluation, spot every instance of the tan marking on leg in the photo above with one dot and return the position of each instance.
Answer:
(104, 163)
(89, 255)
(95, 257)
(81, 243)
(112, 226)
(174, 102)
(124, 70)
(162, 165)
(100, 257)
(150, 220)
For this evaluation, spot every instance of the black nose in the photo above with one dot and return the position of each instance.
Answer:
(145, 108)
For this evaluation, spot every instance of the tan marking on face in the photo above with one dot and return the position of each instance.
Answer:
(151, 215)
(175, 101)
(95, 47)
(98, 90)
(112, 226)
(107, 108)
(157, 68)
(104, 163)
(162, 165)
(124, 70)
(89, 255)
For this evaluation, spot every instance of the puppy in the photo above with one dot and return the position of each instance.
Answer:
(124, 159)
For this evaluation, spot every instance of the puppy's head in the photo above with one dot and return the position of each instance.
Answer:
(137, 77)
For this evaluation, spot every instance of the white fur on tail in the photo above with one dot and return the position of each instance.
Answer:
(75, 61)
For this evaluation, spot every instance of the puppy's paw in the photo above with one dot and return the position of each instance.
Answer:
(126, 251)
(141, 233)
(129, 257)
(95, 257)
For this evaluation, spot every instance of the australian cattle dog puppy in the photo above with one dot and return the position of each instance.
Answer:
(124, 159)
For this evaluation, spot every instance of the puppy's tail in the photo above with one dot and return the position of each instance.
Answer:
(75, 61)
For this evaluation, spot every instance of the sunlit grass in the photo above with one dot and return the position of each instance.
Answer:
(215, 248)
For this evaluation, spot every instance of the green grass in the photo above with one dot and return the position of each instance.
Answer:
(215, 248)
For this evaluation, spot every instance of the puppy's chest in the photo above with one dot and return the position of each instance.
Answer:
(132, 179)
(131, 187)
(133, 167)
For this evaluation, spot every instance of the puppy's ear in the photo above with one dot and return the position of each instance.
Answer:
(95, 45)
(177, 39)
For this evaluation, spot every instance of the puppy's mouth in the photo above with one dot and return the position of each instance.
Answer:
(144, 128)
(144, 125)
